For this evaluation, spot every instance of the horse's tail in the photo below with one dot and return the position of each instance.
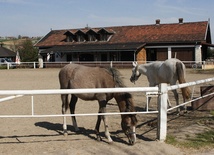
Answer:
(186, 93)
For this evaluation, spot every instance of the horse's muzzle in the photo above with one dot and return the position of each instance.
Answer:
(132, 80)
(131, 137)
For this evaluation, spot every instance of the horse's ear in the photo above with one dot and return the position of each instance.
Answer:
(134, 63)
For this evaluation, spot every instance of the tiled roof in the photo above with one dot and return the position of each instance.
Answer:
(4, 52)
(155, 33)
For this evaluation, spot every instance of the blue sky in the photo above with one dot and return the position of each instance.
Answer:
(37, 17)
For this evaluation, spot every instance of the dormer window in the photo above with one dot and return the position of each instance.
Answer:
(69, 36)
(104, 35)
(91, 35)
(80, 36)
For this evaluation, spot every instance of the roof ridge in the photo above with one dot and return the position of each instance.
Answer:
(102, 27)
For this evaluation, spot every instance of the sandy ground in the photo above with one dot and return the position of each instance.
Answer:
(44, 135)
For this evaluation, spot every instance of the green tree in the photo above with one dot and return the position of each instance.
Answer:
(27, 52)
(210, 52)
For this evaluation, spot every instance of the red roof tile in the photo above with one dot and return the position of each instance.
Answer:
(162, 33)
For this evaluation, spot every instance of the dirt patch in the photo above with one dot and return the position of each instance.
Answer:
(44, 135)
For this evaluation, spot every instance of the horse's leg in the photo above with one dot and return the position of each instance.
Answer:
(177, 101)
(72, 110)
(184, 107)
(169, 103)
(97, 128)
(102, 109)
(64, 98)
(176, 98)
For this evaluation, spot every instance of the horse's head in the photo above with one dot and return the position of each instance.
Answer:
(135, 73)
(129, 121)
(128, 125)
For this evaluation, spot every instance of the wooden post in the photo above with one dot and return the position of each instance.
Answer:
(162, 112)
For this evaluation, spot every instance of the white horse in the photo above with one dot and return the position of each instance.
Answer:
(158, 72)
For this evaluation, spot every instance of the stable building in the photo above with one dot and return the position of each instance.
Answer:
(6, 53)
(187, 41)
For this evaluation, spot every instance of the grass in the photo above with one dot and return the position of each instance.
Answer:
(3, 67)
(212, 112)
(200, 141)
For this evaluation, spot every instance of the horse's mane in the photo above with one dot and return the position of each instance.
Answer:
(117, 77)
(130, 108)
(119, 83)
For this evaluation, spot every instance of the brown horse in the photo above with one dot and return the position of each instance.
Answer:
(74, 76)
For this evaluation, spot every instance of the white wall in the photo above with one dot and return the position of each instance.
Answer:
(198, 53)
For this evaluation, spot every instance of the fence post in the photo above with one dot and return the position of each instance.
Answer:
(8, 66)
(111, 64)
(162, 112)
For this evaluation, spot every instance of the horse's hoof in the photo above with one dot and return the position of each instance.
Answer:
(110, 142)
(99, 138)
(181, 113)
(65, 133)
(77, 129)
(153, 124)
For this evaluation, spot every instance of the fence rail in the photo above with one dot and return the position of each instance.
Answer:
(77, 91)
(162, 90)
(118, 64)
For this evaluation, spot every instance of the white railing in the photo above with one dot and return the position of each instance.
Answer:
(162, 90)
(34, 65)
(121, 64)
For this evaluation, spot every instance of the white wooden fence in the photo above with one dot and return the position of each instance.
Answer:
(121, 64)
(162, 90)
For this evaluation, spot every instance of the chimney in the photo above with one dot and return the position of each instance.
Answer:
(180, 20)
(157, 21)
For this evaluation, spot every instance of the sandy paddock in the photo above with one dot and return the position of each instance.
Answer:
(44, 135)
